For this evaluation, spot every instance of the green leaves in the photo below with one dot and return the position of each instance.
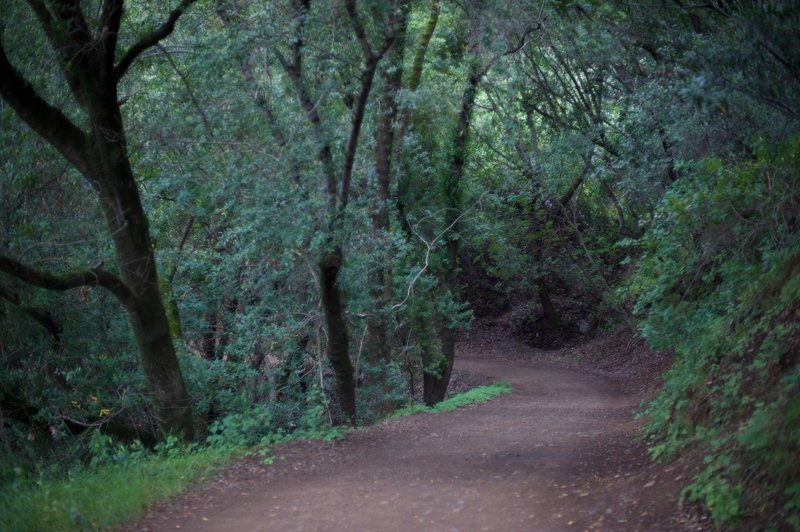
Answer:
(718, 285)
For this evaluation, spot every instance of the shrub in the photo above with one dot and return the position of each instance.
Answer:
(719, 285)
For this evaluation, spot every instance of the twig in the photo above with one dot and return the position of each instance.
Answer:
(429, 246)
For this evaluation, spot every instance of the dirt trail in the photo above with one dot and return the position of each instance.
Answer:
(556, 454)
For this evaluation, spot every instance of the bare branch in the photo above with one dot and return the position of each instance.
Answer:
(429, 248)
(511, 50)
(152, 39)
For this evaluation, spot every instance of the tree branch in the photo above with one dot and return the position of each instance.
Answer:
(263, 103)
(45, 19)
(189, 91)
(358, 29)
(355, 129)
(152, 39)
(110, 21)
(66, 46)
(511, 50)
(69, 12)
(95, 276)
(294, 71)
(422, 48)
(578, 181)
(367, 76)
(42, 117)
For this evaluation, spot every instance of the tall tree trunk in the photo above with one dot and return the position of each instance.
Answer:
(434, 385)
(336, 327)
(378, 345)
(381, 275)
(549, 309)
(437, 378)
(336, 184)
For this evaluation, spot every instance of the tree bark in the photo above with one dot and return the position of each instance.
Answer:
(378, 345)
(109, 166)
(337, 349)
(549, 309)
(337, 187)
(434, 385)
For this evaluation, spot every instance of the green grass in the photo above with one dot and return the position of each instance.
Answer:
(477, 395)
(100, 497)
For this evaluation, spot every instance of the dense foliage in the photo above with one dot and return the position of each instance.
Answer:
(719, 287)
(333, 191)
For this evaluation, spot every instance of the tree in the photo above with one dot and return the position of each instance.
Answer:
(479, 61)
(337, 181)
(92, 68)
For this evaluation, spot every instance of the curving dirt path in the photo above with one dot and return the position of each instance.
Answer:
(556, 454)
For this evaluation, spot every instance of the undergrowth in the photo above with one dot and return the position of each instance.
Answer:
(477, 395)
(719, 285)
(98, 497)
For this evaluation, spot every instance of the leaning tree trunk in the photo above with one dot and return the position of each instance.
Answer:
(436, 379)
(110, 169)
(378, 345)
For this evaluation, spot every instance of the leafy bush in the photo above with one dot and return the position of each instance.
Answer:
(382, 390)
(719, 285)
(259, 426)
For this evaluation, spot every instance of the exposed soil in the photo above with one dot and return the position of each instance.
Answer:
(557, 454)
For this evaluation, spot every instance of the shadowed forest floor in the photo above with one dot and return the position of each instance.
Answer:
(557, 454)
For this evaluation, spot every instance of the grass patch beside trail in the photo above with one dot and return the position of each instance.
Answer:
(481, 394)
(97, 498)
(113, 493)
